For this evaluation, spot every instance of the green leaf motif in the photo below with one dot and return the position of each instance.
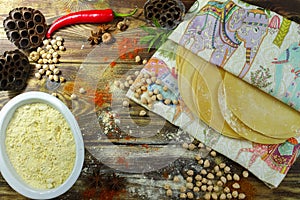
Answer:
(155, 38)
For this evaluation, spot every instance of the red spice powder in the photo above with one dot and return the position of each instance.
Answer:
(123, 161)
(69, 87)
(246, 187)
(131, 56)
(106, 194)
(89, 193)
(102, 96)
(112, 64)
(127, 137)
(128, 48)
(165, 174)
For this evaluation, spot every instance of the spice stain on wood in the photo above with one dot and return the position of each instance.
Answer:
(120, 61)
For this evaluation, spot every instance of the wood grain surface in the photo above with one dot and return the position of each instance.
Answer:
(114, 152)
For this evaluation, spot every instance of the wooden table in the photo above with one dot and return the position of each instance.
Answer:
(99, 171)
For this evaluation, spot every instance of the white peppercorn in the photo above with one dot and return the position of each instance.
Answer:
(204, 188)
(216, 188)
(41, 71)
(214, 196)
(165, 88)
(167, 186)
(196, 189)
(227, 169)
(54, 54)
(192, 146)
(190, 195)
(126, 84)
(125, 103)
(175, 102)
(213, 153)
(59, 43)
(158, 82)
(38, 75)
(48, 72)
(62, 79)
(185, 145)
(82, 90)
(236, 177)
(241, 196)
(226, 190)
(209, 182)
(189, 186)
(197, 157)
(223, 179)
(210, 176)
(153, 98)
(198, 177)
(189, 179)
(200, 162)
(190, 172)
(61, 48)
(229, 196)
(219, 173)
(204, 180)
(159, 97)
(138, 59)
(176, 179)
(142, 113)
(56, 71)
(45, 42)
(55, 78)
(207, 196)
(198, 183)
(203, 172)
(222, 196)
(182, 189)
(59, 38)
(206, 164)
(229, 177)
(169, 192)
(167, 101)
(222, 165)
(73, 96)
(236, 186)
(38, 66)
(55, 47)
(245, 174)
(210, 188)
(182, 196)
(50, 77)
(235, 194)
(220, 183)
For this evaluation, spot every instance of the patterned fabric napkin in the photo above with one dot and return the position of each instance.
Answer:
(257, 45)
(260, 47)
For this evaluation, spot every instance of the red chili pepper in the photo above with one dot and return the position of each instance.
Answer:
(86, 16)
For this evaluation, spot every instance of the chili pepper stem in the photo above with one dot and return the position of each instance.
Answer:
(125, 14)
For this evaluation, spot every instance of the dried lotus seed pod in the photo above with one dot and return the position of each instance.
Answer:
(25, 27)
(14, 70)
(168, 13)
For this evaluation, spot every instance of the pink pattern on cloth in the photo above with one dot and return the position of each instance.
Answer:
(279, 157)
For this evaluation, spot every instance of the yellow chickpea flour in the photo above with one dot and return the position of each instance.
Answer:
(40, 145)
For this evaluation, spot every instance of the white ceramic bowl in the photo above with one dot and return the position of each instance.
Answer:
(7, 170)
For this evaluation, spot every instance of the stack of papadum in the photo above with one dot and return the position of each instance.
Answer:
(231, 106)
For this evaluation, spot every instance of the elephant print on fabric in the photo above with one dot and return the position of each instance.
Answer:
(279, 157)
(223, 27)
(287, 76)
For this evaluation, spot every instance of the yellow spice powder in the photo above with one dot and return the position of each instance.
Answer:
(40, 145)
